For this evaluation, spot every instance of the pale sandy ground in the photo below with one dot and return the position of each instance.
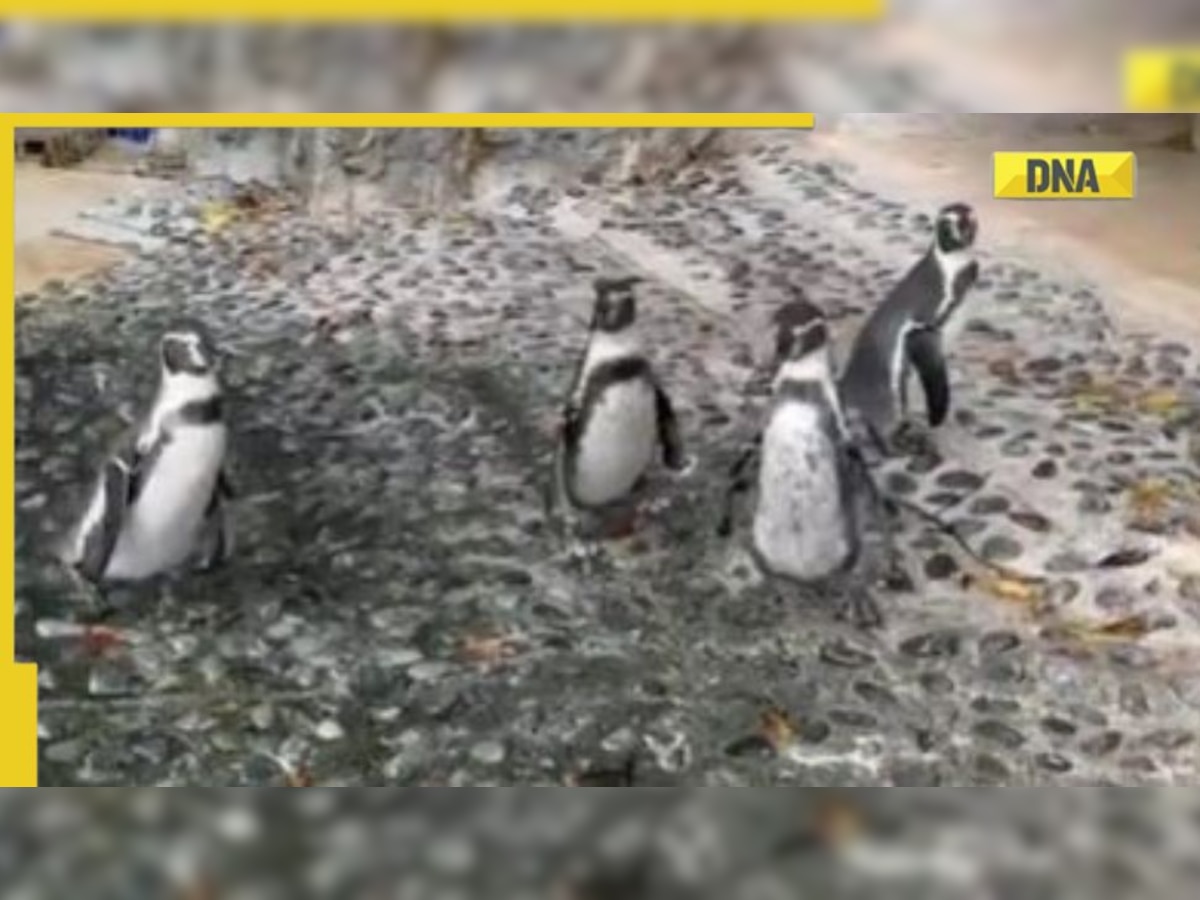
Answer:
(1145, 252)
(48, 201)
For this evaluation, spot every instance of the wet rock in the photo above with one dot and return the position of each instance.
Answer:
(840, 652)
(936, 683)
(960, 480)
(941, 566)
(997, 642)
(853, 718)
(1102, 744)
(989, 505)
(1001, 548)
(998, 732)
(1059, 727)
(941, 644)
(1053, 762)
(1031, 521)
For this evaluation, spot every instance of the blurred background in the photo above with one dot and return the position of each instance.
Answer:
(925, 56)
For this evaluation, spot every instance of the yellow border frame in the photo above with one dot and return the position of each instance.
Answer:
(18, 683)
(444, 11)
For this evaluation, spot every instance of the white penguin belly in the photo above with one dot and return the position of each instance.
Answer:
(617, 445)
(799, 525)
(161, 528)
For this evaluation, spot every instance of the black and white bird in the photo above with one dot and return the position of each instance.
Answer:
(910, 331)
(811, 483)
(160, 497)
(619, 417)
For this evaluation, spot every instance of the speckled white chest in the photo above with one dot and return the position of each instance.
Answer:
(621, 432)
(161, 528)
(799, 525)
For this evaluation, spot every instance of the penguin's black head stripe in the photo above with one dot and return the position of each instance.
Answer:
(956, 227)
(616, 305)
(187, 351)
(799, 329)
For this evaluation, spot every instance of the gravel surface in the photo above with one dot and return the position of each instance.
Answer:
(399, 612)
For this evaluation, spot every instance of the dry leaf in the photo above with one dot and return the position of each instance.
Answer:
(1099, 395)
(300, 777)
(1006, 371)
(838, 823)
(200, 889)
(1128, 627)
(1160, 402)
(1009, 586)
(216, 216)
(1125, 628)
(776, 729)
(1149, 499)
(98, 640)
(488, 649)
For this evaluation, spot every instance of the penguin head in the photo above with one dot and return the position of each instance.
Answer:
(801, 332)
(616, 305)
(956, 227)
(187, 349)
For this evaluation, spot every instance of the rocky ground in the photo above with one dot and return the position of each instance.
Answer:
(399, 612)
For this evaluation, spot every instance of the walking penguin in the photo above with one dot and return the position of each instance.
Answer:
(618, 417)
(811, 482)
(160, 497)
(909, 330)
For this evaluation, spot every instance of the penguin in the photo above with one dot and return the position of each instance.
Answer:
(908, 332)
(807, 523)
(161, 494)
(619, 417)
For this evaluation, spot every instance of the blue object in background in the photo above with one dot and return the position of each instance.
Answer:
(135, 135)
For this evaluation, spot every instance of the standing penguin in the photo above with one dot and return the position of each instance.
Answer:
(619, 417)
(908, 330)
(159, 498)
(810, 478)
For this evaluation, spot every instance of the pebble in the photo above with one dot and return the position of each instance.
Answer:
(840, 652)
(999, 732)
(1000, 548)
(960, 480)
(941, 566)
(989, 505)
(489, 753)
(997, 642)
(1101, 744)
(330, 730)
(1053, 762)
(932, 644)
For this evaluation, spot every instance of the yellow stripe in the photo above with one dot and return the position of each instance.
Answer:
(412, 120)
(18, 684)
(446, 11)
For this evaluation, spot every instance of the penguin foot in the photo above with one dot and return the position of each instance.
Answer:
(912, 440)
(685, 468)
(860, 609)
(585, 554)
(623, 527)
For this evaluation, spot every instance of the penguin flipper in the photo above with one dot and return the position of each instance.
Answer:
(739, 483)
(924, 350)
(102, 525)
(225, 489)
(216, 541)
(669, 438)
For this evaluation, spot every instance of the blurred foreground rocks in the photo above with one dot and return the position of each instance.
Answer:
(633, 845)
